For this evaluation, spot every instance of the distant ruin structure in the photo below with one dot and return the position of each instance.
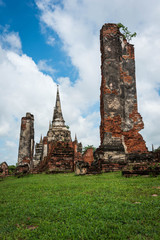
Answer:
(56, 152)
(4, 169)
(26, 141)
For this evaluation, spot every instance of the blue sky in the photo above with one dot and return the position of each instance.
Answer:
(45, 42)
(23, 17)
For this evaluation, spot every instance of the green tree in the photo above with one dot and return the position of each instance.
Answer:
(11, 169)
(127, 34)
(157, 149)
(88, 146)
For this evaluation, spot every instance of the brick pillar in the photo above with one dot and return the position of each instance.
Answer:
(26, 142)
(120, 120)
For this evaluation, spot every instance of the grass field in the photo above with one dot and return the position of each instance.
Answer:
(65, 206)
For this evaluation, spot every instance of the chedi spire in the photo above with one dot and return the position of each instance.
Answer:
(58, 131)
(57, 115)
(41, 141)
(75, 138)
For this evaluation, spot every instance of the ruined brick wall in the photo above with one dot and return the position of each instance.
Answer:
(26, 142)
(120, 120)
(88, 156)
(60, 157)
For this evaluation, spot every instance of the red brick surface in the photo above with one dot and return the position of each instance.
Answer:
(88, 156)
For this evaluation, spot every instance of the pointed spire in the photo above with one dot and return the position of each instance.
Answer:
(75, 138)
(50, 125)
(57, 116)
(41, 139)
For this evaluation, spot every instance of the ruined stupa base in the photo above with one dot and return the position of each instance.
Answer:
(60, 158)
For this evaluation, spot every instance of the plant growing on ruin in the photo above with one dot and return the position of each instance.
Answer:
(127, 34)
(89, 146)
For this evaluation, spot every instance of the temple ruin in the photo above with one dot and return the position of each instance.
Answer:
(56, 152)
(121, 143)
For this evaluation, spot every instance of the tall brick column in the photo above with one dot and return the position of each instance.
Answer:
(120, 120)
(26, 142)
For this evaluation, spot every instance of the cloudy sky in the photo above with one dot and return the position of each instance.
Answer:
(48, 42)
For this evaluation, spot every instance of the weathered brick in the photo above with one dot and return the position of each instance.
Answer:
(119, 114)
(26, 142)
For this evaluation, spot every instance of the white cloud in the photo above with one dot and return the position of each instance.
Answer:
(10, 40)
(44, 66)
(148, 82)
(78, 23)
(4, 128)
(81, 45)
(23, 89)
(50, 41)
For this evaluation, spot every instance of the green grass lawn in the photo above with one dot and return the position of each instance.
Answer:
(65, 206)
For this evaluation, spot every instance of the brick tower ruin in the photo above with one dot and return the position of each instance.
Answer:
(26, 142)
(120, 120)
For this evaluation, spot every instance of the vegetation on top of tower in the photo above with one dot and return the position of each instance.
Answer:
(127, 34)
(88, 146)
